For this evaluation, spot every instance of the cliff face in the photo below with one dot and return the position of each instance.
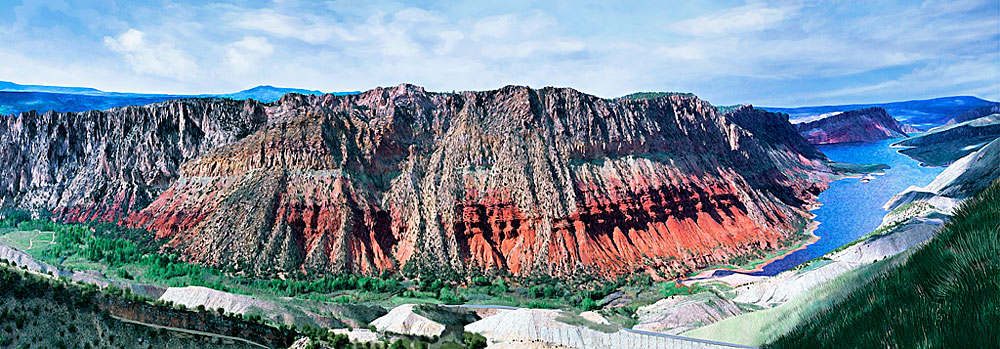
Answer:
(99, 165)
(860, 125)
(549, 181)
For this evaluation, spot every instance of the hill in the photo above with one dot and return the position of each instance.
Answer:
(859, 125)
(7, 86)
(13, 103)
(922, 114)
(265, 93)
(37, 311)
(944, 144)
(944, 295)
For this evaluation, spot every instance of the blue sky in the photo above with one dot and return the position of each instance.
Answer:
(782, 53)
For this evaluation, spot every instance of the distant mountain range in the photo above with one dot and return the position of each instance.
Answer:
(16, 98)
(921, 114)
(13, 87)
(267, 93)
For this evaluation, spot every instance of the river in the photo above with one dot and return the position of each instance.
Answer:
(851, 209)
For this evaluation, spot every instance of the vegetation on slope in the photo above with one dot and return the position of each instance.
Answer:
(765, 325)
(944, 145)
(133, 256)
(946, 294)
(39, 312)
(653, 95)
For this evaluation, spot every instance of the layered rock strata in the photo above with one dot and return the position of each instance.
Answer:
(549, 181)
(101, 165)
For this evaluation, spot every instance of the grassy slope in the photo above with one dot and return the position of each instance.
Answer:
(946, 294)
(946, 144)
(36, 312)
(759, 327)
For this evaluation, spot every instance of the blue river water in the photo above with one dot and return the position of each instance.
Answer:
(850, 208)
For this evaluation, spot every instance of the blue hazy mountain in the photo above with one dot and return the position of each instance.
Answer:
(16, 98)
(922, 114)
(10, 86)
(267, 93)
(19, 102)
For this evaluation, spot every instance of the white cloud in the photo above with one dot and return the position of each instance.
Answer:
(752, 17)
(246, 54)
(506, 25)
(977, 72)
(449, 38)
(809, 51)
(285, 26)
(418, 15)
(151, 58)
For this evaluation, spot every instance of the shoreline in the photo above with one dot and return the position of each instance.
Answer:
(739, 276)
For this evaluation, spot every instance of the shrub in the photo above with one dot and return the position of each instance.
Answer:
(122, 273)
(473, 340)
(340, 340)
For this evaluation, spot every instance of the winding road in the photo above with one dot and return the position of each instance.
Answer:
(194, 332)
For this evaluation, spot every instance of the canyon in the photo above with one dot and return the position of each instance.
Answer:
(517, 180)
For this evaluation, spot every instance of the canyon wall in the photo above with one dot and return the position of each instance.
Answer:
(100, 165)
(548, 181)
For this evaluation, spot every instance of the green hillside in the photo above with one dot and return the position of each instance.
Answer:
(39, 312)
(947, 294)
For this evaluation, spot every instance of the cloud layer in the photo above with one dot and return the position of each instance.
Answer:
(780, 53)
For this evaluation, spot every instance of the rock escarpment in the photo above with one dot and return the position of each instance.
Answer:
(860, 125)
(100, 165)
(549, 181)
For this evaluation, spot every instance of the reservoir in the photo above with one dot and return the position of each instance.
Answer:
(851, 208)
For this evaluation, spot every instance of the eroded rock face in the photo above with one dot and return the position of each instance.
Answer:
(100, 165)
(860, 125)
(548, 181)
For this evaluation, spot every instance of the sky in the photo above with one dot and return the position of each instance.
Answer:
(780, 53)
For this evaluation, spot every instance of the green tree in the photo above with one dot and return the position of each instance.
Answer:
(473, 340)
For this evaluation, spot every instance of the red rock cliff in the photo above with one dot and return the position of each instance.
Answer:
(549, 181)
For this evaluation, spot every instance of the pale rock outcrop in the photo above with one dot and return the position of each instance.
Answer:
(677, 314)
(403, 320)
